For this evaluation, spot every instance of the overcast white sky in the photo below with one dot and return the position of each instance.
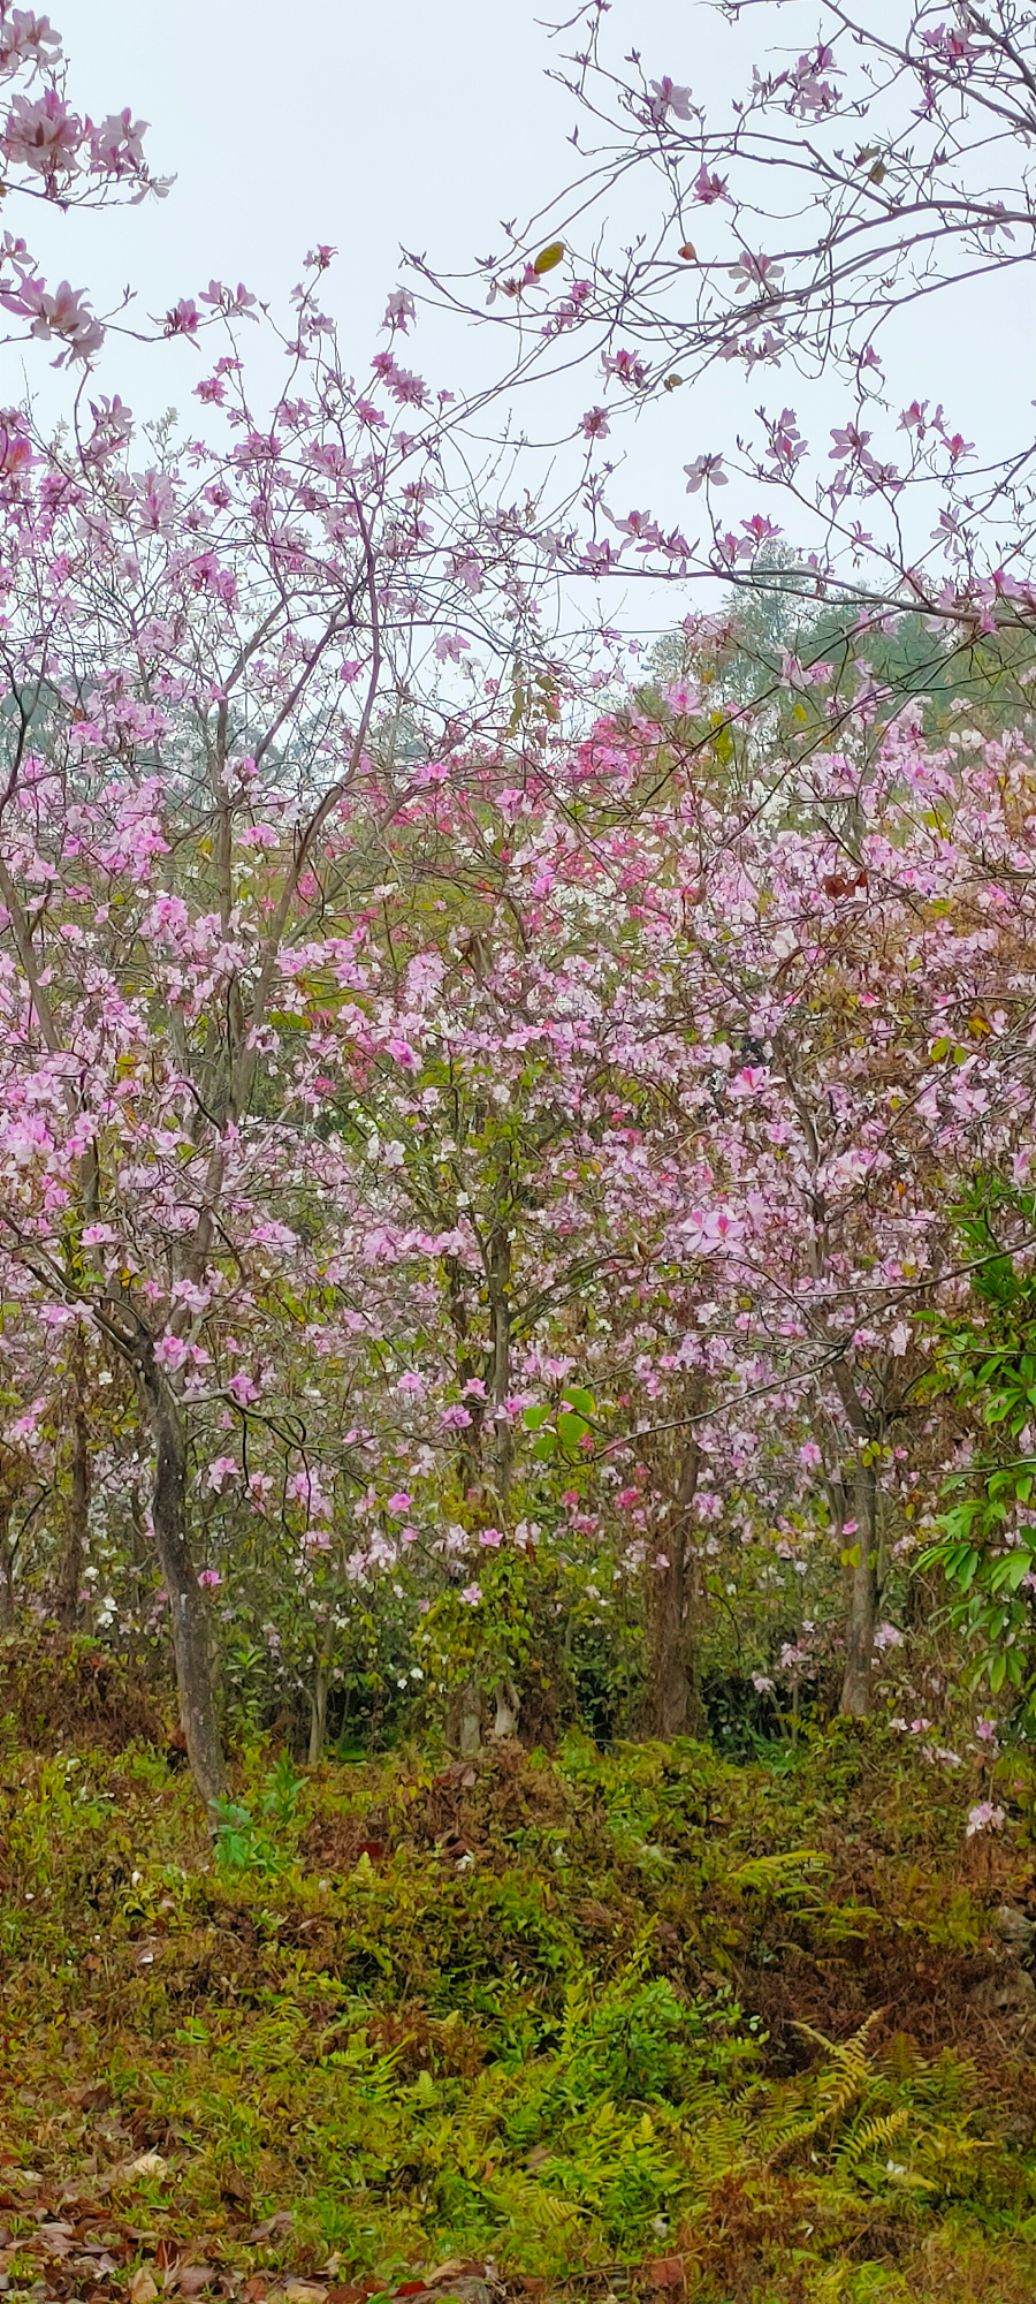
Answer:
(373, 122)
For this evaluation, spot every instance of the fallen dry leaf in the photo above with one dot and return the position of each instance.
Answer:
(668, 2272)
(190, 2279)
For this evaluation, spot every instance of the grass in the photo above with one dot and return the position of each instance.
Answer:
(601, 2021)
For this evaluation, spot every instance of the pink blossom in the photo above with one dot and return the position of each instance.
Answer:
(708, 187)
(43, 134)
(400, 310)
(985, 1817)
(243, 1389)
(670, 98)
(450, 647)
(705, 469)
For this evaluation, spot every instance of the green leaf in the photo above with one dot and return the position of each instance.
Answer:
(1007, 1575)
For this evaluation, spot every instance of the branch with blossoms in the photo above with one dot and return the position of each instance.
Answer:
(55, 154)
(778, 230)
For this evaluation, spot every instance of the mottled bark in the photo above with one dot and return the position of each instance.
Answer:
(673, 1609)
(7, 1551)
(70, 1578)
(499, 1263)
(505, 1718)
(862, 1604)
(862, 1615)
(192, 1649)
(319, 1696)
(469, 1722)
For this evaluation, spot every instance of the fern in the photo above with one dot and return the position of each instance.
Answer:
(850, 2073)
(787, 1872)
(876, 2133)
(717, 2147)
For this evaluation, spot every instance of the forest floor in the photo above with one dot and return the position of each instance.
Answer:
(602, 2025)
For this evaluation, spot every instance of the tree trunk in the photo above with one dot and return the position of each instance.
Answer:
(195, 1675)
(469, 1442)
(500, 1311)
(469, 1725)
(70, 1578)
(7, 1551)
(318, 1699)
(673, 1703)
(505, 1722)
(863, 1598)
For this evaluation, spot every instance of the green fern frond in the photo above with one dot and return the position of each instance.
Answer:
(854, 2047)
(787, 1872)
(849, 2074)
(877, 2133)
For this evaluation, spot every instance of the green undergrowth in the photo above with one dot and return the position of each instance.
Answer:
(562, 2015)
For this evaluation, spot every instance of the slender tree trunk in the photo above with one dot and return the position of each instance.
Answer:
(468, 1442)
(6, 1567)
(469, 1724)
(505, 1720)
(500, 1311)
(77, 1524)
(863, 1598)
(195, 1674)
(318, 1699)
(673, 1705)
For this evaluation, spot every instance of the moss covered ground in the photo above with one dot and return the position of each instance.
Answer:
(596, 2024)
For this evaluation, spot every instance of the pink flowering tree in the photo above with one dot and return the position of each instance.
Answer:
(198, 639)
(435, 1109)
(668, 1097)
(500, 1126)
